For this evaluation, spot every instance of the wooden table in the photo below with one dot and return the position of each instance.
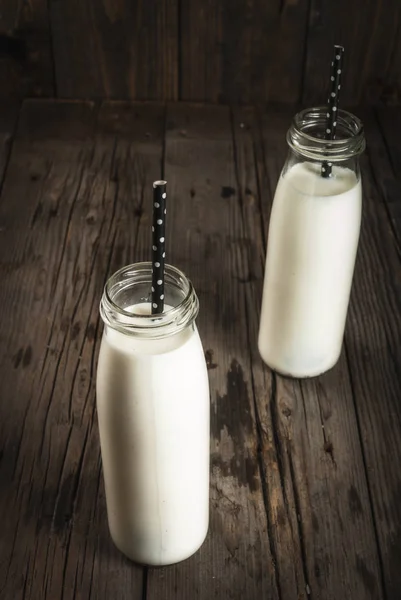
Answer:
(305, 475)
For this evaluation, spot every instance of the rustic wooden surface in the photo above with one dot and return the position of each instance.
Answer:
(200, 50)
(305, 477)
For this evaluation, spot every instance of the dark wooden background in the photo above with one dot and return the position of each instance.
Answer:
(247, 51)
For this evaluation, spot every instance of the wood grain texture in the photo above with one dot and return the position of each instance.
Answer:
(241, 51)
(279, 499)
(391, 94)
(108, 49)
(369, 31)
(236, 51)
(385, 161)
(8, 120)
(374, 355)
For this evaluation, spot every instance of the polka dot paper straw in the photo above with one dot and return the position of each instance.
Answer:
(332, 103)
(158, 248)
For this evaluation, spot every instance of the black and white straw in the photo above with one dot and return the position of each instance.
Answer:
(332, 103)
(158, 248)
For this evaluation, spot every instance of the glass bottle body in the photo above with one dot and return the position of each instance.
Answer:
(153, 412)
(312, 245)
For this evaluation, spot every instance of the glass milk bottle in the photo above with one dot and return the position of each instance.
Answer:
(312, 245)
(153, 413)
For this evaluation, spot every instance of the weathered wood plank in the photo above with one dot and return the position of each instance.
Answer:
(381, 73)
(224, 51)
(242, 51)
(311, 447)
(279, 498)
(368, 51)
(8, 119)
(139, 133)
(385, 155)
(107, 49)
(29, 263)
(374, 355)
(69, 220)
(206, 239)
(391, 94)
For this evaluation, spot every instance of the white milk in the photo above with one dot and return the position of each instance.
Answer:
(313, 238)
(153, 411)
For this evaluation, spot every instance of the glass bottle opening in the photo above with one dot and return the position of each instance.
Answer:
(131, 286)
(307, 131)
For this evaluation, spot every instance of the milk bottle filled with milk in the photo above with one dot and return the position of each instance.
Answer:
(153, 413)
(312, 244)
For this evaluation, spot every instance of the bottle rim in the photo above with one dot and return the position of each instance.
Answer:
(147, 325)
(349, 142)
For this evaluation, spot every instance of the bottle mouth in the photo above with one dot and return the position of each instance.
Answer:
(306, 135)
(131, 286)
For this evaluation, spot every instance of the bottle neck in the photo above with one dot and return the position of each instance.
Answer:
(306, 136)
(126, 302)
